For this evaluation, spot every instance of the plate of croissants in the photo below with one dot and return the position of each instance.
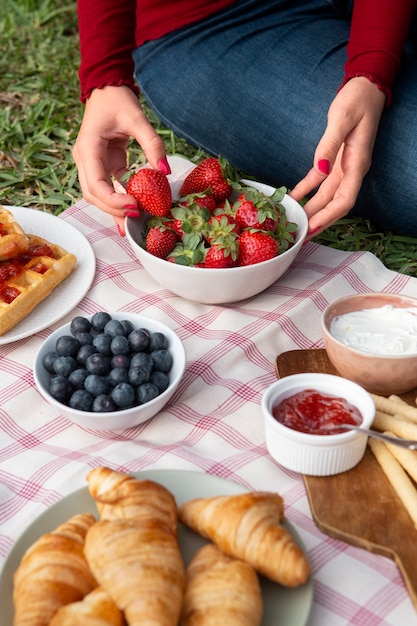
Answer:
(168, 547)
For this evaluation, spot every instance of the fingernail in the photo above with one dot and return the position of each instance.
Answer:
(130, 207)
(324, 166)
(163, 166)
(310, 235)
(121, 233)
(132, 214)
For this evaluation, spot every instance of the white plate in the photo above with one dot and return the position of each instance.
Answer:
(290, 607)
(73, 289)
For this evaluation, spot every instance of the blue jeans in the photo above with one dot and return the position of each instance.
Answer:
(254, 83)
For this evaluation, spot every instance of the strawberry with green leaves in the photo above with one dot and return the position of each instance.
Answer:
(204, 200)
(160, 240)
(214, 174)
(222, 254)
(188, 252)
(190, 221)
(151, 190)
(256, 246)
(219, 226)
(255, 210)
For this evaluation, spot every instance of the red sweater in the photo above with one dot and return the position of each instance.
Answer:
(110, 30)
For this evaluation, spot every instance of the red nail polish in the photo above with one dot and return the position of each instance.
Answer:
(324, 166)
(164, 167)
(130, 207)
(121, 233)
(313, 231)
(132, 214)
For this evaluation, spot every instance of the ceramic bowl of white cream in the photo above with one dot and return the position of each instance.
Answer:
(371, 339)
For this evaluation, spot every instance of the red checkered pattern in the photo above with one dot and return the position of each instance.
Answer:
(214, 423)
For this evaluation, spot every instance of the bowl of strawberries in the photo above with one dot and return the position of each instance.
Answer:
(210, 237)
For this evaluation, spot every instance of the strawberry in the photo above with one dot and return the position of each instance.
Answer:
(204, 200)
(220, 225)
(255, 210)
(256, 246)
(187, 253)
(222, 254)
(160, 241)
(190, 221)
(151, 190)
(213, 174)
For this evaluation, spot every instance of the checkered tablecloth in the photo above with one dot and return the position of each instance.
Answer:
(214, 423)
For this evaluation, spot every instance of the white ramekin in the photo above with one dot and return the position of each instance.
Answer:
(316, 455)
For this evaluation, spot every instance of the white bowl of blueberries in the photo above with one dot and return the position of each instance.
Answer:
(110, 371)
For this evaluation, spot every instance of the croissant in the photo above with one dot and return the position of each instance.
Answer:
(247, 526)
(96, 609)
(221, 591)
(122, 496)
(140, 567)
(53, 572)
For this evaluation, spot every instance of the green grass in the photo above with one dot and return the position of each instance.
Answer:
(40, 114)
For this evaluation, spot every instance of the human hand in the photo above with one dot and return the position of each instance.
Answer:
(343, 155)
(113, 115)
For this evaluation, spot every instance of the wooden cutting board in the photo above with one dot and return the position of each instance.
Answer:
(359, 506)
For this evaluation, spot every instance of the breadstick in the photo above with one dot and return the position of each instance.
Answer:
(398, 478)
(395, 408)
(395, 398)
(406, 458)
(400, 427)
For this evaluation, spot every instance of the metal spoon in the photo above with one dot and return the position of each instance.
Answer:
(410, 444)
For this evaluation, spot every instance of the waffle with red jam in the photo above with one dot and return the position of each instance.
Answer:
(29, 277)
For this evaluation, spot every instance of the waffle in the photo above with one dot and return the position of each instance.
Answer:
(29, 278)
(13, 240)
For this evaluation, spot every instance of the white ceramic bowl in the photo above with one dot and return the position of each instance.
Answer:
(125, 418)
(316, 455)
(378, 373)
(218, 286)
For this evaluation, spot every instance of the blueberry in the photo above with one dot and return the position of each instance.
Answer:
(98, 364)
(142, 359)
(48, 361)
(138, 375)
(103, 404)
(64, 365)
(118, 375)
(84, 352)
(60, 388)
(123, 395)
(139, 340)
(120, 360)
(128, 326)
(162, 360)
(102, 343)
(84, 338)
(99, 320)
(67, 345)
(158, 341)
(81, 400)
(160, 380)
(114, 328)
(119, 345)
(146, 392)
(80, 324)
(77, 377)
(96, 385)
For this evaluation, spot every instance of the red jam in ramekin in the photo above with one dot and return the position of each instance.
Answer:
(316, 413)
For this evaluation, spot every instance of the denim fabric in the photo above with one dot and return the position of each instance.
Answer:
(254, 82)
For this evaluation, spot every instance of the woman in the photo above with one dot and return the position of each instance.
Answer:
(308, 94)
